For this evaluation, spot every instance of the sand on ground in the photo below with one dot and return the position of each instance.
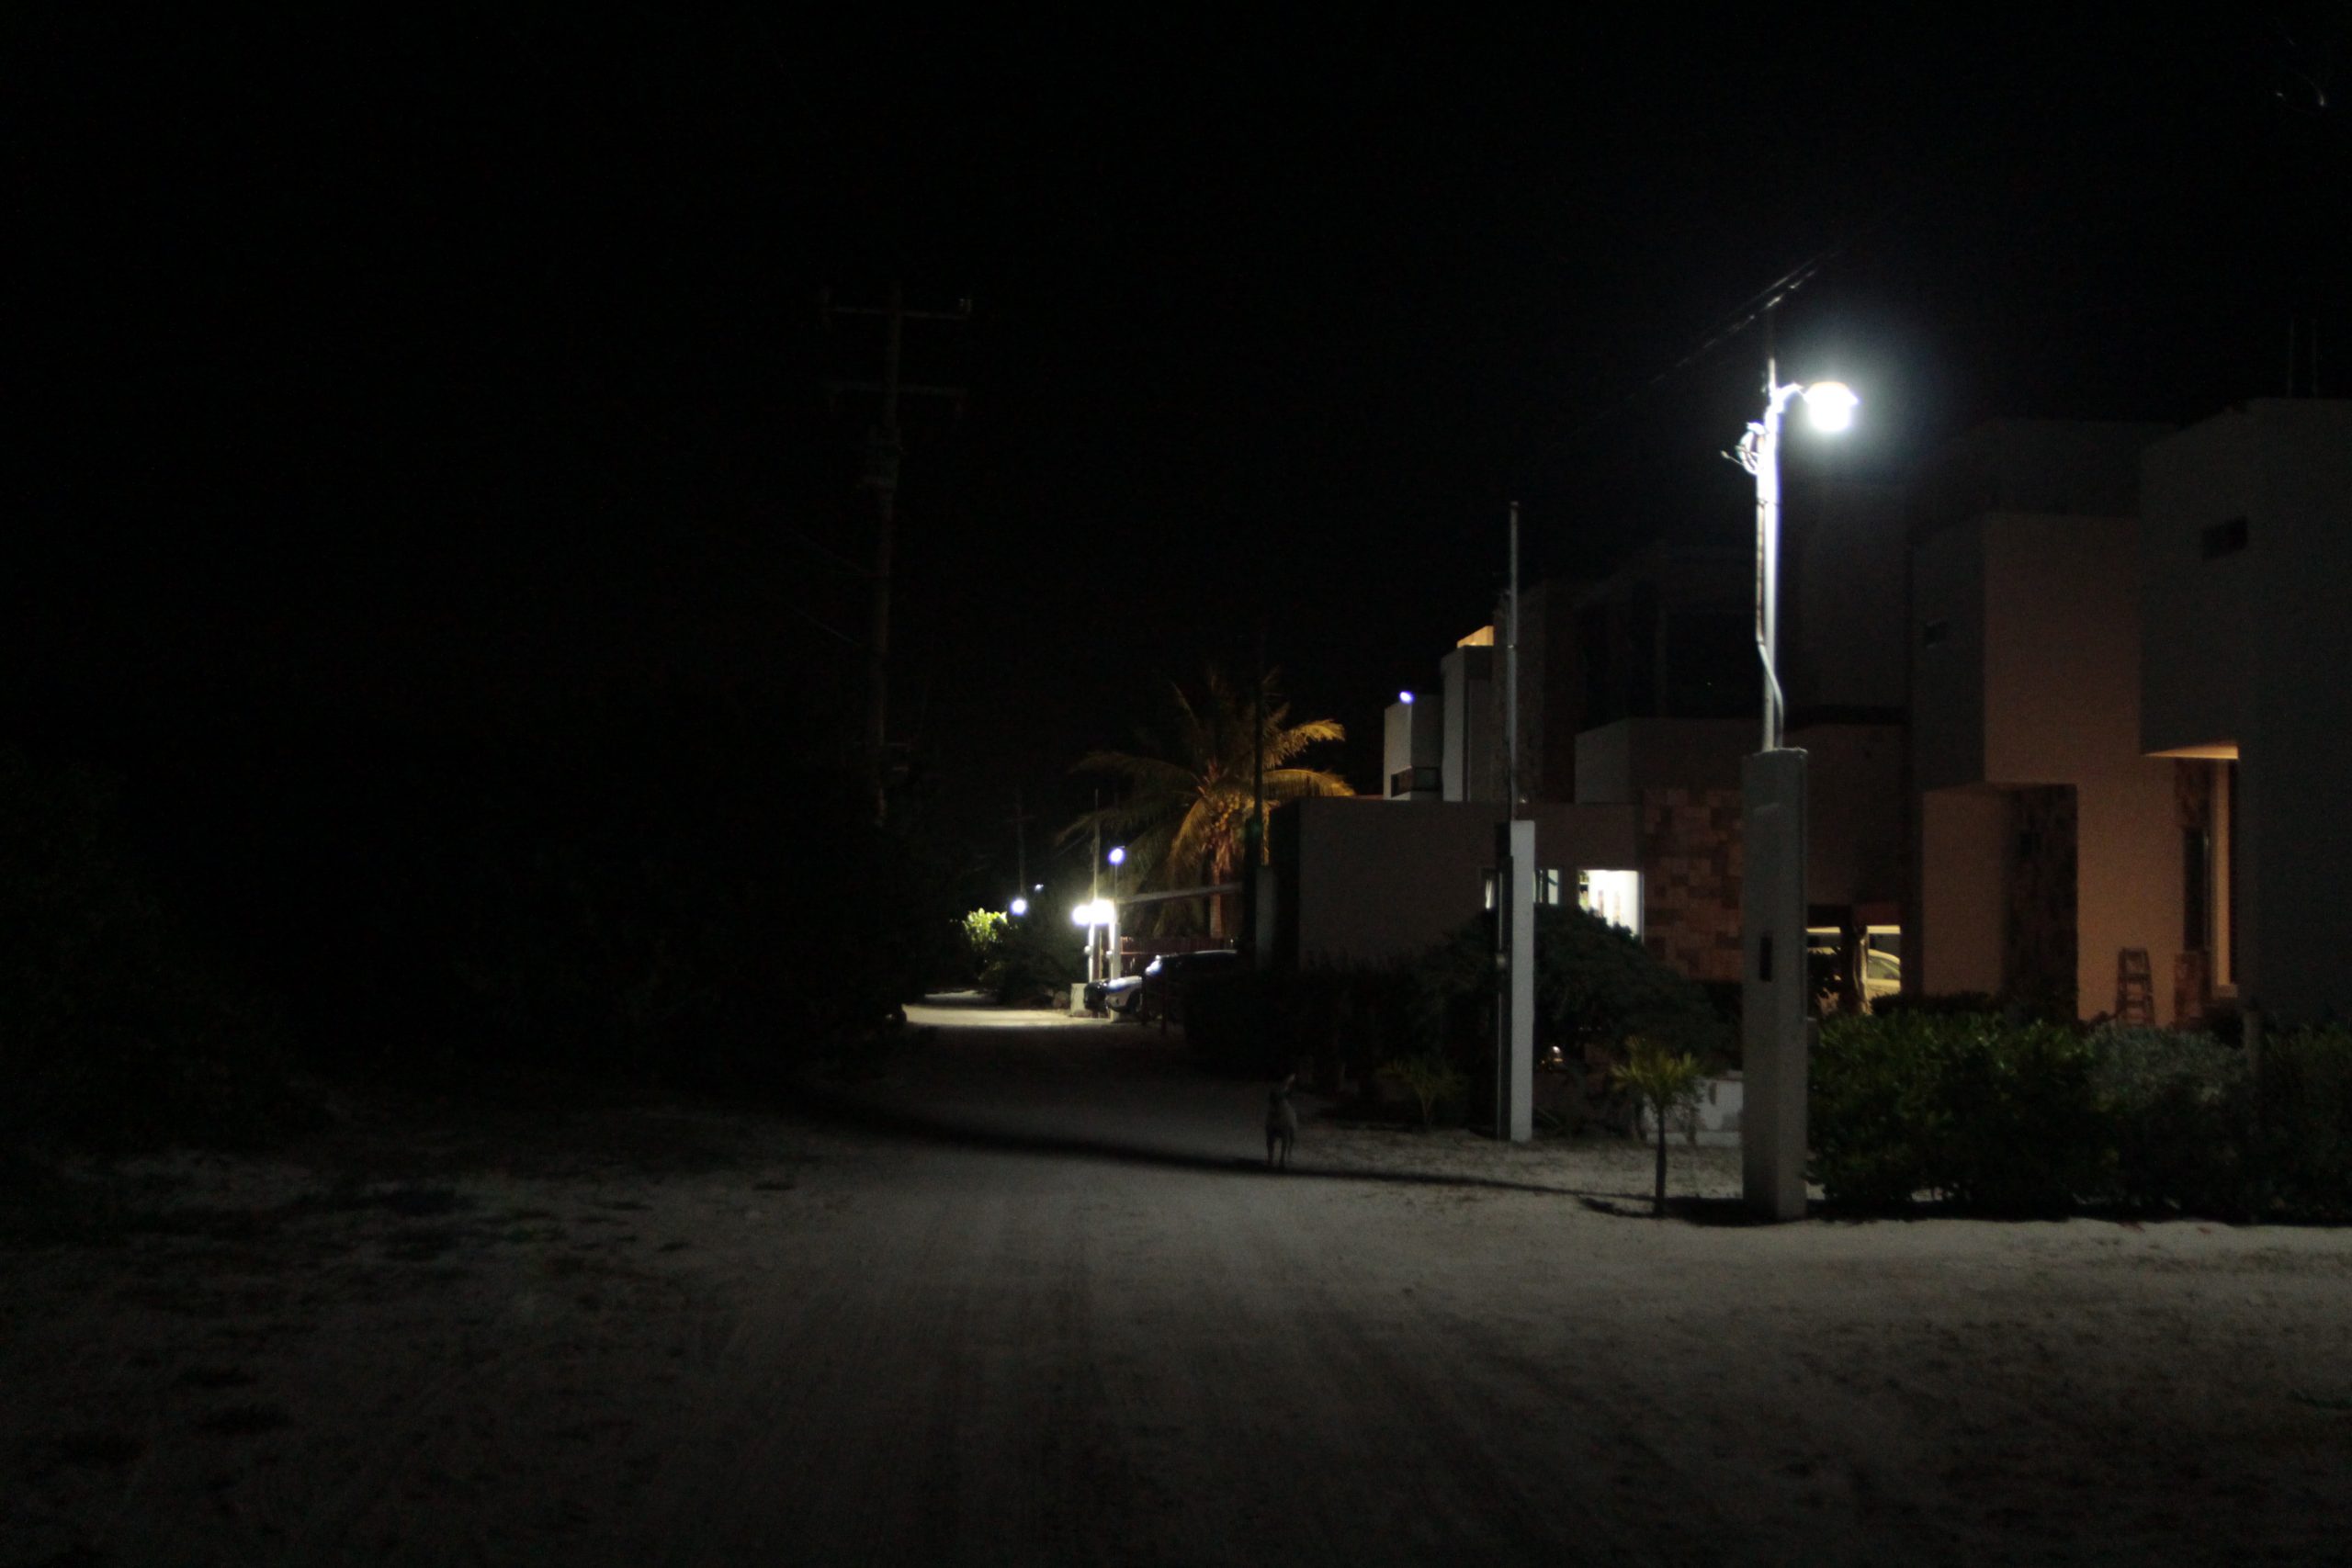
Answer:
(1035, 1299)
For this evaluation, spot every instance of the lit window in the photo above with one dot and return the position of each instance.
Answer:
(1615, 895)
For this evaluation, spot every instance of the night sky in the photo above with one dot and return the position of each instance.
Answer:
(467, 374)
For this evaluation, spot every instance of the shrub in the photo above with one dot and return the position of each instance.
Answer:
(1595, 985)
(2178, 1113)
(1996, 1117)
(1433, 1081)
(2304, 1139)
(1026, 964)
(983, 932)
(1870, 1115)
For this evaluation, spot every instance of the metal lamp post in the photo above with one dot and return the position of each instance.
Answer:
(1772, 907)
(1117, 857)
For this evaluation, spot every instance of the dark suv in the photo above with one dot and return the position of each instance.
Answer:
(1165, 977)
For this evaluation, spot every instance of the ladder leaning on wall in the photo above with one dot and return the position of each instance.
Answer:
(2135, 995)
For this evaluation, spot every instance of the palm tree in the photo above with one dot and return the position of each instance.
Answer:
(1185, 806)
(1665, 1082)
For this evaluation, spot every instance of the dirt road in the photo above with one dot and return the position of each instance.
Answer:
(1039, 1302)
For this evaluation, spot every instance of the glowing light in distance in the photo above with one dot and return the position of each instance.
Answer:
(1405, 697)
(1021, 906)
(1097, 913)
(1831, 404)
(1118, 855)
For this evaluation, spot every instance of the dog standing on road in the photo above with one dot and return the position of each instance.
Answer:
(1282, 1125)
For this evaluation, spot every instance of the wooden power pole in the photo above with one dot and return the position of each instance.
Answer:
(883, 450)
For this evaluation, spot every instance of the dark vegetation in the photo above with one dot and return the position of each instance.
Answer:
(1431, 1022)
(1021, 962)
(1997, 1117)
(181, 952)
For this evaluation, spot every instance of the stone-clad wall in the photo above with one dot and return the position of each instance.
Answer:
(1690, 868)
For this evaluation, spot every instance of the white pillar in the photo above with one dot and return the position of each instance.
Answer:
(1774, 982)
(1515, 981)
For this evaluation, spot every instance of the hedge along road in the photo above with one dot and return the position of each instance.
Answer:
(1071, 1318)
(1036, 1300)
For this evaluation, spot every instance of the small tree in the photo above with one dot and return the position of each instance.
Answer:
(984, 934)
(1665, 1082)
(1430, 1078)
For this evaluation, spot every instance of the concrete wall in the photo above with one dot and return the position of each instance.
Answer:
(2255, 641)
(1366, 881)
(2034, 681)
(2298, 770)
(1412, 736)
(1954, 943)
(1842, 567)
(1858, 838)
(1617, 761)
(2062, 647)
(1471, 763)
(1948, 658)
(2198, 672)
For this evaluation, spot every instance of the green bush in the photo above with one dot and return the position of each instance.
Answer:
(1434, 1082)
(2178, 1112)
(1871, 1116)
(1596, 986)
(1996, 1118)
(983, 932)
(1030, 962)
(2304, 1137)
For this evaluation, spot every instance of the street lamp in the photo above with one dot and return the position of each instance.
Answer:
(1092, 916)
(1020, 906)
(1774, 981)
(1831, 405)
(1111, 965)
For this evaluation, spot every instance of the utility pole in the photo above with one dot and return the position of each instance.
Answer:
(1021, 820)
(1253, 832)
(1510, 678)
(883, 450)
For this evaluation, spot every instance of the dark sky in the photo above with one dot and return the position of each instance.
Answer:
(468, 373)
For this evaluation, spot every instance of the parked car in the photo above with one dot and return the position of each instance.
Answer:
(1118, 994)
(1165, 977)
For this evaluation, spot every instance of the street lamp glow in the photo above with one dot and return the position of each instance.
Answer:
(1119, 854)
(1831, 404)
(1097, 912)
(1021, 906)
(1405, 697)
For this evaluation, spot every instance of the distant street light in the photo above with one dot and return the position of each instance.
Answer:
(1021, 906)
(1775, 984)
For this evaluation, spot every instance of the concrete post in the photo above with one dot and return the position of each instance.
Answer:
(1515, 981)
(1774, 982)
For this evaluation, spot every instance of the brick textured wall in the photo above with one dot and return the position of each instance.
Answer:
(1690, 867)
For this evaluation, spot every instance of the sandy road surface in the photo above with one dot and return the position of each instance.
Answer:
(1034, 1303)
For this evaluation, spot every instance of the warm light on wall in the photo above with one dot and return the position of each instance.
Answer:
(1483, 637)
(2213, 751)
